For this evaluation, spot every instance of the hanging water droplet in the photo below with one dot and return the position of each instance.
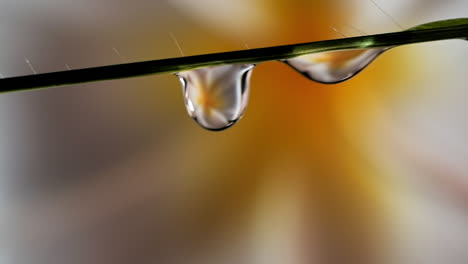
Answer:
(334, 66)
(216, 97)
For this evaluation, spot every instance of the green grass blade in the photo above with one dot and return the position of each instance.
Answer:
(439, 30)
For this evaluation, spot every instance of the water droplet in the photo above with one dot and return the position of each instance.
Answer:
(334, 66)
(216, 97)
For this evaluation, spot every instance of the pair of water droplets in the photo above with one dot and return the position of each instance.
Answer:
(216, 97)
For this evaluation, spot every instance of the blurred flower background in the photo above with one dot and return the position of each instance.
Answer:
(372, 170)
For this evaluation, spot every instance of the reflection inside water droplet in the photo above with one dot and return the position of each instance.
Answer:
(334, 66)
(216, 97)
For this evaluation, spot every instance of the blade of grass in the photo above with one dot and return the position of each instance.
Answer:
(439, 30)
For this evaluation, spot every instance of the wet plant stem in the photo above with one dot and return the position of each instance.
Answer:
(441, 31)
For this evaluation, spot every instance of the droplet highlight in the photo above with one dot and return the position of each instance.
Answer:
(334, 66)
(216, 97)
